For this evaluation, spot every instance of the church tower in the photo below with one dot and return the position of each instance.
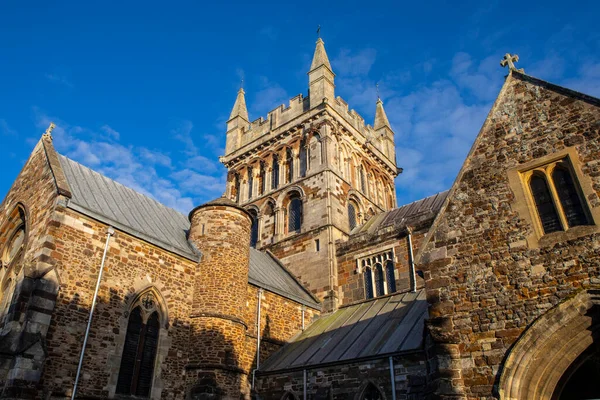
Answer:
(308, 174)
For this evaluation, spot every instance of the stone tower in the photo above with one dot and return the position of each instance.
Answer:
(308, 174)
(220, 230)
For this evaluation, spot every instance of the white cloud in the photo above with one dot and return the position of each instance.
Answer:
(110, 132)
(348, 64)
(5, 129)
(147, 171)
(267, 98)
(59, 79)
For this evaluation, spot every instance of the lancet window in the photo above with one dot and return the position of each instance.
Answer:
(253, 228)
(138, 359)
(290, 165)
(250, 182)
(275, 172)
(295, 213)
(378, 274)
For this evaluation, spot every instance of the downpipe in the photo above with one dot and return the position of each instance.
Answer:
(258, 303)
(393, 378)
(411, 261)
(109, 232)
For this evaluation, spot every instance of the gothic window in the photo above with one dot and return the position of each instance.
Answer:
(568, 196)
(236, 187)
(290, 165)
(368, 275)
(253, 228)
(377, 281)
(275, 172)
(555, 194)
(389, 276)
(371, 393)
(250, 182)
(544, 204)
(303, 157)
(295, 214)
(351, 215)
(136, 372)
(363, 183)
(11, 261)
(261, 187)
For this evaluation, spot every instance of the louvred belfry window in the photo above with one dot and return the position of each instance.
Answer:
(136, 372)
(275, 173)
(295, 215)
(290, 165)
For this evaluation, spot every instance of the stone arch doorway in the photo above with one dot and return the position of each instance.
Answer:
(556, 352)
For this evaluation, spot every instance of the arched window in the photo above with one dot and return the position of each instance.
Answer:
(568, 196)
(351, 215)
(253, 228)
(271, 217)
(371, 393)
(379, 282)
(295, 214)
(544, 204)
(236, 187)
(303, 157)
(363, 183)
(136, 372)
(11, 259)
(389, 276)
(290, 165)
(250, 182)
(275, 172)
(368, 283)
(314, 151)
(262, 174)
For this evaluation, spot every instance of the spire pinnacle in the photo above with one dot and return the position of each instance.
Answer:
(320, 57)
(239, 108)
(381, 119)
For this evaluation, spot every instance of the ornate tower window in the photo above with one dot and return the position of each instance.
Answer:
(136, 372)
(290, 165)
(303, 157)
(275, 172)
(352, 217)
(378, 282)
(253, 228)
(250, 182)
(295, 213)
(261, 187)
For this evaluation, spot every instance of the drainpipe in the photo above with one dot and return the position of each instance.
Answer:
(109, 232)
(411, 261)
(303, 311)
(393, 378)
(304, 384)
(258, 302)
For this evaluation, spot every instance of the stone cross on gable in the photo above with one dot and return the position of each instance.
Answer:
(510, 60)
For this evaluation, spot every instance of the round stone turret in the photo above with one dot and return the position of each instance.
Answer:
(220, 230)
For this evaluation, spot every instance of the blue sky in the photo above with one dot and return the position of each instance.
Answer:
(140, 91)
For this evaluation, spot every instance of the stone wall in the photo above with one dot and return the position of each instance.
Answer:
(488, 273)
(348, 381)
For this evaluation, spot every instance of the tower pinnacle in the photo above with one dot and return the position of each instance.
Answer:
(381, 119)
(239, 108)
(320, 56)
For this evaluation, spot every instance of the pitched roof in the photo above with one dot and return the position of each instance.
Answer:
(403, 216)
(105, 200)
(378, 327)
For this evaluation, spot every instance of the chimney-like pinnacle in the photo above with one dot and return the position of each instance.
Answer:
(239, 108)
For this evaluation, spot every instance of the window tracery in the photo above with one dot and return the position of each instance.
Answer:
(138, 359)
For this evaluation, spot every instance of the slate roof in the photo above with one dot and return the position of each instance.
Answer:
(105, 200)
(406, 215)
(378, 327)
